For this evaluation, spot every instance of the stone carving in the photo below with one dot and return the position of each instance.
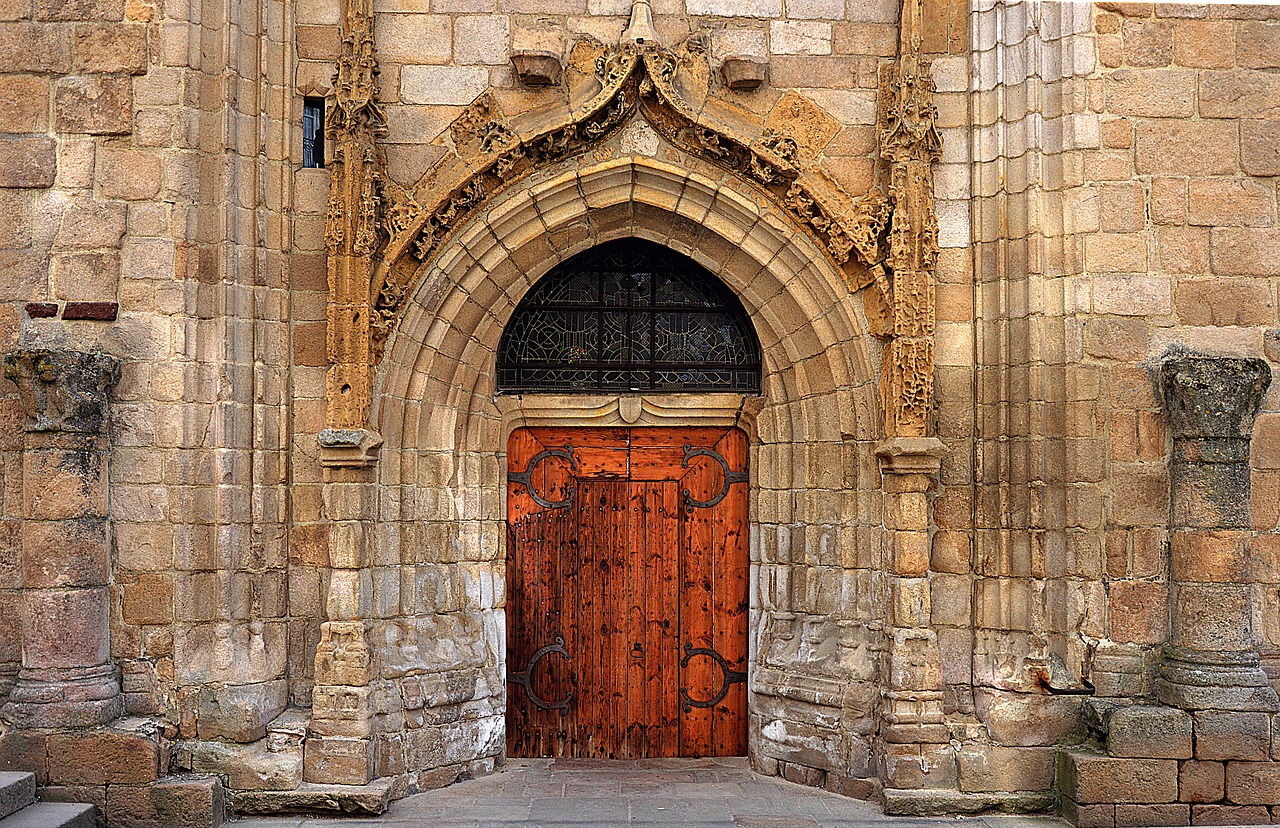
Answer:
(910, 142)
(380, 234)
(63, 390)
(353, 227)
(1210, 660)
(1207, 397)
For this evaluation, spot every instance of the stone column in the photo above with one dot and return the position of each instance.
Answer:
(67, 679)
(915, 737)
(340, 741)
(1210, 661)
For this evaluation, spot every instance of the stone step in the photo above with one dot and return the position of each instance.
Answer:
(53, 815)
(17, 791)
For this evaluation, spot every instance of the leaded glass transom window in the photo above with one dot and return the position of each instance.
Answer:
(629, 315)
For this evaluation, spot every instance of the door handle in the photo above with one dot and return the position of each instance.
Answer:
(637, 651)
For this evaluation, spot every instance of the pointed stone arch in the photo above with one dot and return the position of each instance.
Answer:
(883, 243)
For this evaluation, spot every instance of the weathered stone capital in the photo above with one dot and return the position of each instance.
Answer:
(63, 390)
(349, 448)
(911, 455)
(1207, 397)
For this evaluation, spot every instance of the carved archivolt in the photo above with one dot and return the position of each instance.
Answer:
(883, 242)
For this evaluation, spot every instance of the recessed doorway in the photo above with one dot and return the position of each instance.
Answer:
(627, 581)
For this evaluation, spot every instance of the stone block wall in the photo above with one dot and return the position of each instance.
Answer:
(1179, 198)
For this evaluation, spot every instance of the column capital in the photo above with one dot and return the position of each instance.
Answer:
(911, 455)
(1207, 397)
(62, 390)
(349, 448)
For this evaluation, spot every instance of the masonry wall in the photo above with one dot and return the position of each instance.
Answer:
(145, 187)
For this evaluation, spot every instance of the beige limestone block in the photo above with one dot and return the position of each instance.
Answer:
(1233, 301)
(28, 162)
(1222, 735)
(93, 224)
(735, 8)
(1204, 44)
(117, 48)
(871, 11)
(1233, 202)
(1260, 147)
(1147, 43)
(94, 105)
(24, 104)
(1258, 43)
(1116, 252)
(1184, 249)
(133, 175)
(1201, 781)
(482, 39)
(1244, 251)
(64, 554)
(1153, 93)
(1132, 295)
(1229, 815)
(25, 47)
(1177, 147)
(865, 39)
(1242, 93)
(819, 9)
(790, 37)
(1142, 816)
(1122, 207)
(414, 38)
(457, 85)
(1090, 778)
(87, 277)
(993, 768)
(1138, 611)
(1117, 133)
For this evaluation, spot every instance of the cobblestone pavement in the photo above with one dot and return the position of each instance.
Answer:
(686, 793)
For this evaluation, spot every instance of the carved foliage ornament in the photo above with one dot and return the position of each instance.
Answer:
(631, 79)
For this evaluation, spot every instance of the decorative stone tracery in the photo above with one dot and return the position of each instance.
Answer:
(380, 235)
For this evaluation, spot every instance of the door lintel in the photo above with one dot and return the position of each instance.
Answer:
(622, 410)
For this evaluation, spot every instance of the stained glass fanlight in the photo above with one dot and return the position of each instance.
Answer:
(629, 315)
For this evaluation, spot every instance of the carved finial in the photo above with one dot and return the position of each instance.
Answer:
(641, 30)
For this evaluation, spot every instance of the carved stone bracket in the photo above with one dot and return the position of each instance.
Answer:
(63, 390)
(349, 448)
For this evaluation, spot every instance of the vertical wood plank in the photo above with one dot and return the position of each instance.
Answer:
(700, 675)
(730, 587)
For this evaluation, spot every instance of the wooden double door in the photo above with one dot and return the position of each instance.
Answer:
(627, 592)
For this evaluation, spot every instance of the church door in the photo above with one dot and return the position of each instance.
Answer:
(627, 592)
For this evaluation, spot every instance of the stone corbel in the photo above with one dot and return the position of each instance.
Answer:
(349, 448)
(911, 455)
(742, 73)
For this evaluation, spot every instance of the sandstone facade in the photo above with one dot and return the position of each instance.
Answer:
(1013, 267)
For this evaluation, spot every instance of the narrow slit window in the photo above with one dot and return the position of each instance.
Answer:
(313, 132)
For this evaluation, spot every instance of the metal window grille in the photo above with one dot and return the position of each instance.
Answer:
(629, 315)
